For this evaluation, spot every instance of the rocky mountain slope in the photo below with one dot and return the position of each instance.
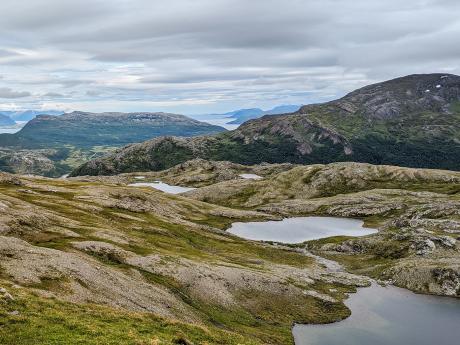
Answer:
(75, 137)
(412, 121)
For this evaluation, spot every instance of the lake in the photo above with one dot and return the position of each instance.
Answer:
(164, 187)
(380, 315)
(389, 315)
(251, 176)
(300, 229)
(216, 119)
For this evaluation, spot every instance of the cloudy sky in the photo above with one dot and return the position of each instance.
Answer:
(193, 56)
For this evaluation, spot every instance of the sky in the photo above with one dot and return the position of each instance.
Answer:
(210, 56)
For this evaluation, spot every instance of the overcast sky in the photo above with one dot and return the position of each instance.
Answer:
(193, 56)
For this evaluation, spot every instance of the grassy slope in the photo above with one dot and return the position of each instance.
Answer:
(52, 322)
(259, 319)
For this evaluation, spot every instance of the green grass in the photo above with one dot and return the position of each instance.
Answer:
(51, 322)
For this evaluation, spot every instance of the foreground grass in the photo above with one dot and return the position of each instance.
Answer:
(48, 321)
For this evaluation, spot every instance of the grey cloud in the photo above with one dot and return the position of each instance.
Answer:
(6, 92)
(93, 93)
(230, 51)
(53, 95)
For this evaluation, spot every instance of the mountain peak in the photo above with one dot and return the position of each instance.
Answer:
(415, 93)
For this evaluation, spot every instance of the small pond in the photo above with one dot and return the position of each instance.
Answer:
(389, 315)
(251, 176)
(164, 187)
(300, 229)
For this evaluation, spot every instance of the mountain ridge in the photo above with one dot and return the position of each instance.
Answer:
(53, 145)
(411, 121)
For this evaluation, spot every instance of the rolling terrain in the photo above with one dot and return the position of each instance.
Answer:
(93, 259)
(105, 263)
(415, 210)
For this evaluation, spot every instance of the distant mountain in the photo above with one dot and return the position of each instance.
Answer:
(412, 121)
(73, 138)
(6, 120)
(282, 109)
(27, 115)
(244, 115)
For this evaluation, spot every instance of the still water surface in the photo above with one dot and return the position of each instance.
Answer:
(300, 229)
(380, 315)
(164, 187)
(389, 315)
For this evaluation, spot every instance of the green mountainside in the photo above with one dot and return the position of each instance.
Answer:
(412, 121)
(53, 145)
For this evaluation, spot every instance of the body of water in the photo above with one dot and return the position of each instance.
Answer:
(251, 176)
(164, 187)
(300, 229)
(380, 315)
(218, 120)
(389, 315)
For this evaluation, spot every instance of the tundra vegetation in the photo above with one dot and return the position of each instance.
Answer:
(94, 260)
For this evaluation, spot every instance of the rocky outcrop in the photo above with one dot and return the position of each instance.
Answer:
(27, 161)
(314, 181)
(416, 211)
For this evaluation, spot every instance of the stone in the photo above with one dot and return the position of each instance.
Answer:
(424, 247)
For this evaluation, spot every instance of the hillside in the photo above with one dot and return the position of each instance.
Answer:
(412, 121)
(107, 263)
(73, 138)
